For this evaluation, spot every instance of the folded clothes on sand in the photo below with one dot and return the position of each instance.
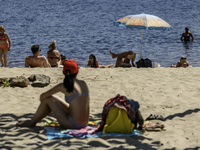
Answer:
(54, 131)
(150, 126)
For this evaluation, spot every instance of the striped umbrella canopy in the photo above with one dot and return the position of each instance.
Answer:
(144, 22)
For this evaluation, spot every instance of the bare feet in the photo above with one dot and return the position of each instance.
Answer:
(26, 123)
(112, 54)
(110, 66)
(173, 66)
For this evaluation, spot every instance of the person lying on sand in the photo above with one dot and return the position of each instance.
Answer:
(53, 55)
(182, 63)
(127, 56)
(5, 44)
(71, 113)
(36, 60)
(94, 63)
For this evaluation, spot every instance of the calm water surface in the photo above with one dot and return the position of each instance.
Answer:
(82, 27)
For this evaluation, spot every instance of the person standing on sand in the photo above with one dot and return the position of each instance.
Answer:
(36, 60)
(186, 35)
(5, 44)
(71, 113)
(127, 56)
(53, 55)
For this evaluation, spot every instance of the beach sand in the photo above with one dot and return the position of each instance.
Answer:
(173, 93)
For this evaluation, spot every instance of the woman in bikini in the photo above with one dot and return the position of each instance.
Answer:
(94, 63)
(4, 46)
(53, 55)
(71, 113)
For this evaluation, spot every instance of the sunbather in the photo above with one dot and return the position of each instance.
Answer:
(127, 56)
(36, 60)
(53, 55)
(94, 63)
(71, 113)
(182, 63)
(63, 59)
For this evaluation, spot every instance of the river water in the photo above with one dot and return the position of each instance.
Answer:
(84, 27)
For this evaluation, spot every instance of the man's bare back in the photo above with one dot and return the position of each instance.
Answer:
(36, 60)
(39, 61)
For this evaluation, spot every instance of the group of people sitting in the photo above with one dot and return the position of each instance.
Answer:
(54, 59)
(125, 59)
(72, 112)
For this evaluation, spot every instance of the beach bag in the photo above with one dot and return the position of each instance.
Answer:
(144, 63)
(118, 121)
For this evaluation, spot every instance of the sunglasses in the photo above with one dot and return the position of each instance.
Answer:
(53, 58)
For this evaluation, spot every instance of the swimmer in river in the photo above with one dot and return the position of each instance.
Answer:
(186, 35)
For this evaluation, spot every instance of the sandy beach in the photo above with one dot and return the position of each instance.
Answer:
(173, 93)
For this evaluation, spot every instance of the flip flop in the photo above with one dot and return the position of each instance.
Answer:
(159, 117)
(151, 117)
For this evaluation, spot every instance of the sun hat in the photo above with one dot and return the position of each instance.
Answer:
(70, 65)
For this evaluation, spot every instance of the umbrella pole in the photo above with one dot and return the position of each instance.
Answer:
(141, 45)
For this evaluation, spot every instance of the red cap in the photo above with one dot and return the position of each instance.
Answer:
(70, 65)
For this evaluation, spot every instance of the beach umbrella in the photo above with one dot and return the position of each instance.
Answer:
(144, 22)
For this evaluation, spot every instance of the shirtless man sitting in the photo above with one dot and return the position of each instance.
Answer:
(127, 56)
(36, 60)
(186, 35)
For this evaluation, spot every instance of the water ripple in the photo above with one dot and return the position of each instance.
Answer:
(83, 27)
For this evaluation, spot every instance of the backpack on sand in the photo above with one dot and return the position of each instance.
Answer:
(118, 121)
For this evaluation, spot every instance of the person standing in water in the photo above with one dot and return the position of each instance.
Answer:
(4, 46)
(186, 35)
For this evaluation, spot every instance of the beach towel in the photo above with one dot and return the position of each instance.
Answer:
(53, 131)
